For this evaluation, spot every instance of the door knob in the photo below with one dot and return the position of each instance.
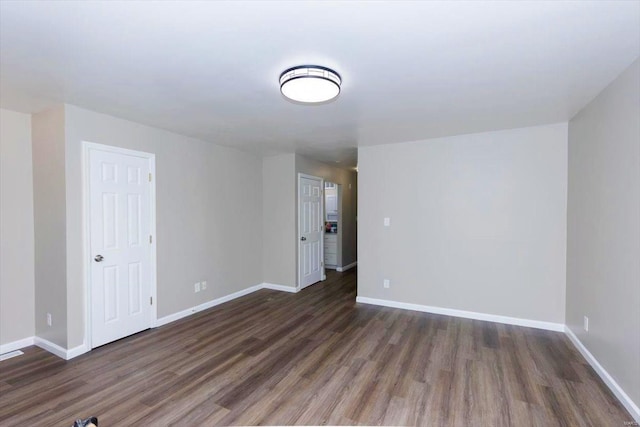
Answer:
(99, 258)
(303, 238)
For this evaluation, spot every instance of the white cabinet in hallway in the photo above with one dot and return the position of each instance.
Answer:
(330, 250)
(331, 202)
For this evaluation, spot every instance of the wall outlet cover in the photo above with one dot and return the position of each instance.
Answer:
(196, 287)
(204, 284)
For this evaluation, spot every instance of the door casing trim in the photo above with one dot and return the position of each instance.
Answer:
(87, 147)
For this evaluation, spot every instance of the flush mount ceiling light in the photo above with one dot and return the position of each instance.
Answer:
(310, 84)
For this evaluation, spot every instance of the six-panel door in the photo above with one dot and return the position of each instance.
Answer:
(120, 224)
(311, 222)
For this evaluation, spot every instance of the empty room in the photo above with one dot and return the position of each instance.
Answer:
(411, 213)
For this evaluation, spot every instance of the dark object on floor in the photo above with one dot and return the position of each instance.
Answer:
(89, 422)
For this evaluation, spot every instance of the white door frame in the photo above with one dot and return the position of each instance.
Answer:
(87, 147)
(298, 234)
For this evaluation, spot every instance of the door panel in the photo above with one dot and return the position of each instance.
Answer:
(133, 219)
(310, 225)
(120, 227)
(135, 288)
(111, 286)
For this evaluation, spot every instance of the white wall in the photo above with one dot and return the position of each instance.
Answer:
(478, 222)
(603, 254)
(17, 294)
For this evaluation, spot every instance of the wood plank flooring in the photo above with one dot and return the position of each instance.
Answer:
(314, 358)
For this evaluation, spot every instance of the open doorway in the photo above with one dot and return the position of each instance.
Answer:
(332, 225)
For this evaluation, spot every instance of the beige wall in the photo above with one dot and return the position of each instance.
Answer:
(603, 253)
(209, 213)
(50, 224)
(279, 208)
(478, 222)
(17, 300)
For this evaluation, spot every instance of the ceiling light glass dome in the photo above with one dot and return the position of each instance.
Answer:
(310, 84)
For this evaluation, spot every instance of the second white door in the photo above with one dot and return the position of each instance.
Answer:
(120, 225)
(310, 222)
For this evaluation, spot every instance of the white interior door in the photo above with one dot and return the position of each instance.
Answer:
(310, 224)
(120, 245)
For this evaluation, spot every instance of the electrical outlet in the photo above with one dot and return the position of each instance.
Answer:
(386, 283)
(387, 222)
(586, 323)
(49, 322)
(197, 287)
(204, 284)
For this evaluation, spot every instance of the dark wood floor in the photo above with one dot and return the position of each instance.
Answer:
(315, 357)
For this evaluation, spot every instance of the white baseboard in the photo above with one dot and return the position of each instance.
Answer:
(282, 288)
(16, 345)
(346, 267)
(189, 311)
(10, 355)
(51, 347)
(63, 353)
(77, 351)
(184, 313)
(623, 397)
(559, 327)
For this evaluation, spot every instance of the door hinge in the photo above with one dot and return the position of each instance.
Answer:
(149, 176)
(150, 239)
(151, 300)
(321, 263)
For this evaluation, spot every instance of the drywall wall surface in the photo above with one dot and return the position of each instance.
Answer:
(477, 222)
(50, 225)
(209, 213)
(603, 253)
(17, 288)
(279, 208)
